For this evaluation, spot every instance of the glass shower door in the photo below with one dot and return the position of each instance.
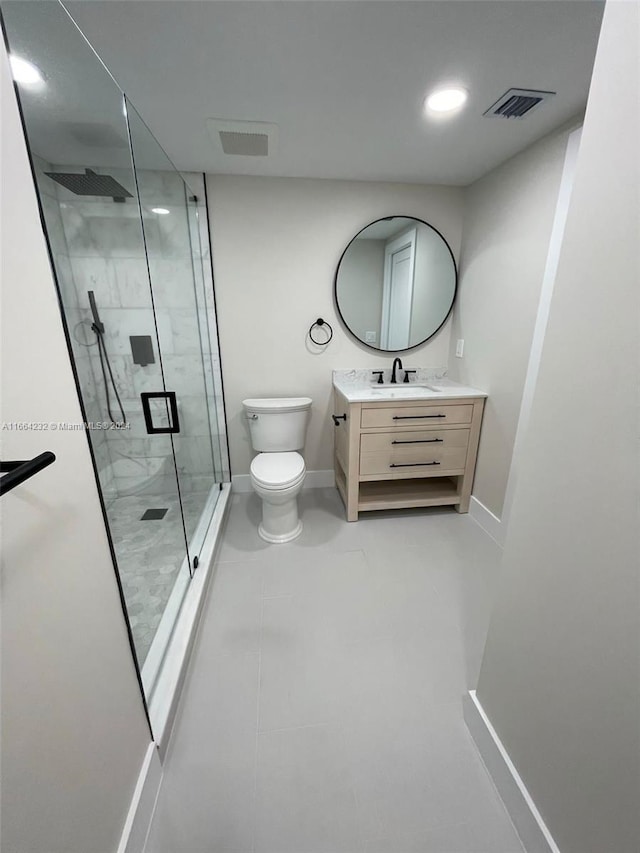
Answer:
(173, 269)
(96, 226)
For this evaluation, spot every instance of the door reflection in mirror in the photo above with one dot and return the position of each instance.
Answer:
(395, 284)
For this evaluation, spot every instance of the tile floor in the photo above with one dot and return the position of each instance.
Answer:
(150, 554)
(322, 709)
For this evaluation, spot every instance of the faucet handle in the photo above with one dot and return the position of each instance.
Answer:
(406, 374)
(379, 374)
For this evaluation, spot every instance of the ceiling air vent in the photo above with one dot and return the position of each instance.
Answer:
(517, 103)
(243, 138)
(248, 144)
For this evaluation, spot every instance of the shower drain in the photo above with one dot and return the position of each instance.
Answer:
(154, 514)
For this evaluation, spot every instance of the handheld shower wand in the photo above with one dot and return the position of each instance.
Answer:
(98, 328)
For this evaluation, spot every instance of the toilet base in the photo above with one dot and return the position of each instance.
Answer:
(281, 538)
(280, 520)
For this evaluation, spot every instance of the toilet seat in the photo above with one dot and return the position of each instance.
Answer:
(277, 470)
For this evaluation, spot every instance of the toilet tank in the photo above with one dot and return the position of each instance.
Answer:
(278, 424)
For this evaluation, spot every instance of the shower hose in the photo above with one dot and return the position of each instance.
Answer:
(104, 359)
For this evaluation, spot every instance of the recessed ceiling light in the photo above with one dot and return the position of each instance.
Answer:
(446, 100)
(161, 210)
(25, 72)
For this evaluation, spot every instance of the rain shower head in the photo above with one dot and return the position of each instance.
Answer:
(91, 184)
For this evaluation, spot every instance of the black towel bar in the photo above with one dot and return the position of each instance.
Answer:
(18, 472)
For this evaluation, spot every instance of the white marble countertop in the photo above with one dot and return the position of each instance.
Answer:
(427, 384)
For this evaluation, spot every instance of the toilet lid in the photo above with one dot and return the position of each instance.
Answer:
(277, 470)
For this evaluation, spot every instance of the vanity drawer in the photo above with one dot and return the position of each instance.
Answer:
(415, 416)
(377, 442)
(416, 454)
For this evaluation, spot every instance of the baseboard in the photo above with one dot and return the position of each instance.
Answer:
(526, 818)
(489, 522)
(313, 480)
(143, 803)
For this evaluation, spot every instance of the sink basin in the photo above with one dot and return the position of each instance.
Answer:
(414, 389)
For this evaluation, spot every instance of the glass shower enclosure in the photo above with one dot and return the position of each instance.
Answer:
(129, 246)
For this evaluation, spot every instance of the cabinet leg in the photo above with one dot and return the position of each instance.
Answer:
(353, 490)
(463, 506)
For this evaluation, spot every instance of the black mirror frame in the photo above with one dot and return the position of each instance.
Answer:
(335, 285)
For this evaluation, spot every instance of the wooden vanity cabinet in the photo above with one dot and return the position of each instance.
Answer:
(406, 453)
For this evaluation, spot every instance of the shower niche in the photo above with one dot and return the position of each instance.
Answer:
(129, 246)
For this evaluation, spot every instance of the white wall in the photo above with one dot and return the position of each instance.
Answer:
(74, 733)
(559, 678)
(507, 225)
(276, 244)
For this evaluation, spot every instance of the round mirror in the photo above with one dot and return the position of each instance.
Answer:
(395, 283)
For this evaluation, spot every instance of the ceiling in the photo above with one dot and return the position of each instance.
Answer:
(344, 80)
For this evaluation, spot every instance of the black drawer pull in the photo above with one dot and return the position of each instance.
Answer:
(418, 441)
(411, 464)
(415, 417)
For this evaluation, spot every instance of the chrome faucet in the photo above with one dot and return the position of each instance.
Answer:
(396, 363)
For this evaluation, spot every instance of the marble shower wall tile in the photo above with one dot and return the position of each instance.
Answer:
(147, 379)
(135, 420)
(186, 331)
(120, 323)
(99, 275)
(167, 235)
(194, 455)
(194, 415)
(128, 444)
(98, 245)
(132, 281)
(184, 374)
(172, 280)
(139, 468)
(121, 367)
(103, 229)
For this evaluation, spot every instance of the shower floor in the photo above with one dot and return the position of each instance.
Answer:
(150, 555)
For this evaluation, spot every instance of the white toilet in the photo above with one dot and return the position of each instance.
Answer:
(278, 427)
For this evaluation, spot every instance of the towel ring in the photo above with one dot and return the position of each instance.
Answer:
(320, 322)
